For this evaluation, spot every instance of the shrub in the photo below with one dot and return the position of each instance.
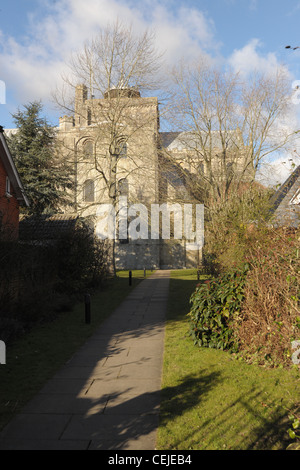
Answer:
(270, 314)
(215, 304)
(255, 311)
(27, 274)
(82, 261)
(37, 282)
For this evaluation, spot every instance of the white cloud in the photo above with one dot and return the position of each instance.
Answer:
(33, 67)
(274, 173)
(248, 59)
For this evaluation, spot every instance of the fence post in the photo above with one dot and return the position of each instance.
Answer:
(130, 277)
(2, 352)
(87, 301)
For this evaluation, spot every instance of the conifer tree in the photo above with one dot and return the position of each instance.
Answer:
(46, 177)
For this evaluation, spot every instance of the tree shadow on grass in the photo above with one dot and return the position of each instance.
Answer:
(271, 423)
(187, 394)
(129, 419)
(247, 423)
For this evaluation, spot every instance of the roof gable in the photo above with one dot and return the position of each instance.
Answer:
(284, 189)
(166, 138)
(11, 170)
(296, 198)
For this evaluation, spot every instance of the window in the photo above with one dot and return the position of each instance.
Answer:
(122, 150)
(88, 149)
(7, 189)
(123, 187)
(89, 117)
(174, 178)
(230, 168)
(89, 191)
(201, 168)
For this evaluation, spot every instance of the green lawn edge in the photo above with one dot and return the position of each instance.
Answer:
(212, 401)
(34, 358)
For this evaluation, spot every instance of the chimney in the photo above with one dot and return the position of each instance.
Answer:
(80, 99)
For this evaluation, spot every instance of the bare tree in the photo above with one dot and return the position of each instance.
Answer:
(113, 131)
(228, 125)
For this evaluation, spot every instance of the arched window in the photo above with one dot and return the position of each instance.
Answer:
(89, 117)
(88, 149)
(230, 169)
(122, 150)
(89, 191)
(123, 187)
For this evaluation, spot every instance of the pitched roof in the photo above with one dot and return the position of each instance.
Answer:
(166, 138)
(46, 227)
(191, 140)
(11, 170)
(280, 194)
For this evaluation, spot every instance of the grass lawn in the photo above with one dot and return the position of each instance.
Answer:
(35, 357)
(212, 401)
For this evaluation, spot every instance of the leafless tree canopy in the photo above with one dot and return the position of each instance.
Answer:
(229, 124)
(115, 58)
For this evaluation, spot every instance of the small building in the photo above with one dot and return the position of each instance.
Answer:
(285, 203)
(12, 193)
(46, 229)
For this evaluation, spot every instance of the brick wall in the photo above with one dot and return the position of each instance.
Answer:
(9, 208)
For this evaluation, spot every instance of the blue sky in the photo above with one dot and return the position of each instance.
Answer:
(38, 36)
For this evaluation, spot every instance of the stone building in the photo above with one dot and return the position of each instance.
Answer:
(119, 154)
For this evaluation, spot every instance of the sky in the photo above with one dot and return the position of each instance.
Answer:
(37, 38)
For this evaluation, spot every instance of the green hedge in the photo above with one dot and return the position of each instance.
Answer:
(214, 306)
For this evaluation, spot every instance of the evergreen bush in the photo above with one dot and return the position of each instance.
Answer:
(214, 307)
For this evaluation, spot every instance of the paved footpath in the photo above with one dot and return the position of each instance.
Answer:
(107, 396)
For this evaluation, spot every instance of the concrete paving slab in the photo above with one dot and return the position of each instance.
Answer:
(107, 395)
(111, 426)
(68, 386)
(43, 444)
(82, 372)
(134, 371)
(137, 443)
(35, 426)
(125, 403)
(133, 387)
(62, 403)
